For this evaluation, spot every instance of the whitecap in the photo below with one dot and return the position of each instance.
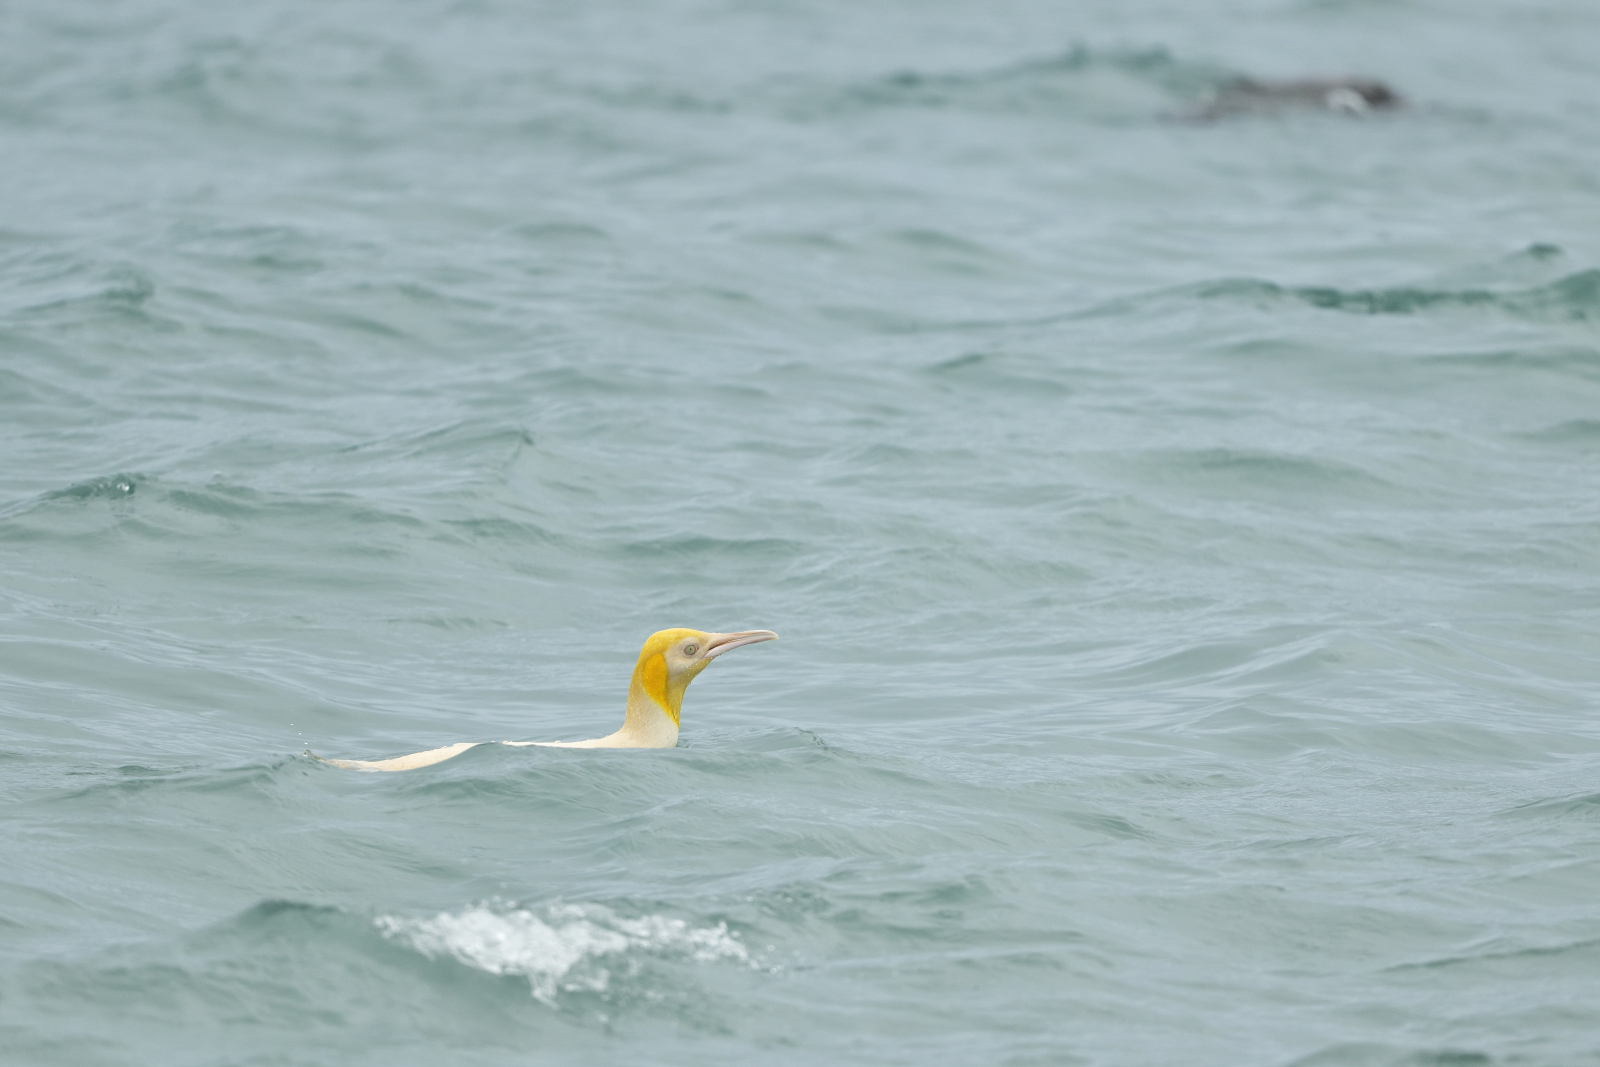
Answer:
(560, 951)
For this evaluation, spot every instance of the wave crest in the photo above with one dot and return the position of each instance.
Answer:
(561, 951)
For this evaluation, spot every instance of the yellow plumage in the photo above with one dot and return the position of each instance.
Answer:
(668, 662)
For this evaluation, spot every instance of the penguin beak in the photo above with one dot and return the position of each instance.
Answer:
(720, 643)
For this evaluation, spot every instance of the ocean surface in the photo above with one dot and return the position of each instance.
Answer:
(1183, 529)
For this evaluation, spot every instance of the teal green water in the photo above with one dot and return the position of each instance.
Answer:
(1185, 536)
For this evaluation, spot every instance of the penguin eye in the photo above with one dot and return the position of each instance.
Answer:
(690, 649)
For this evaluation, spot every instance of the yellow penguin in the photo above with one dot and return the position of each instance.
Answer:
(667, 664)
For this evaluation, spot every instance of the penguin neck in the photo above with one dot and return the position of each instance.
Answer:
(653, 706)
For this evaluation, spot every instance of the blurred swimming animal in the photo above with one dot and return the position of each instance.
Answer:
(668, 662)
(1345, 96)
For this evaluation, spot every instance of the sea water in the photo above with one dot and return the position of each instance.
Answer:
(1184, 533)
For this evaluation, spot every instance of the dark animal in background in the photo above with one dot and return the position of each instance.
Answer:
(1345, 96)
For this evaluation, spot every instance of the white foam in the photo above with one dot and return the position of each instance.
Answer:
(558, 952)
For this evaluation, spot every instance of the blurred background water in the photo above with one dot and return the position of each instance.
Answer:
(1184, 535)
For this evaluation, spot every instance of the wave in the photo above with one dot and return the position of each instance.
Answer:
(70, 290)
(315, 974)
(166, 507)
(1581, 805)
(1574, 298)
(1529, 953)
(1245, 473)
(1567, 432)
(1082, 81)
(563, 950)
(1376, 1054)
